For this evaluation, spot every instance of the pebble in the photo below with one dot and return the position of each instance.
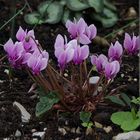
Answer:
(17, 133)
(77, 138)
(62, 130)
(133, 135)
(6, 71)
(33, 130)
(89, 131)
(66, 75)
(25, 116)
(107, 129)
(98, 125)
(135, 79)
(73, 130)
(78, 130)
(122, 75)
(39, 134)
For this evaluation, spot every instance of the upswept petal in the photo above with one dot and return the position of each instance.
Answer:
(84, 52)
(21, 34)
(83, 39)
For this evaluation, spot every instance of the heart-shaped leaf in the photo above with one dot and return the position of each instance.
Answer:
(109, 5)
(116, 100)
(77, 5)
(46, 103)
(42, 8)
(107, 18)
(33, 18)
(54, 13)
(85, 116)
(119, 117)
(130, 124)
(96, 4)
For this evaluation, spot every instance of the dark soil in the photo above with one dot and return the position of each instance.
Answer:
(15, 87)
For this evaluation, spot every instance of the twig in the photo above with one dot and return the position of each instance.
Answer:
(13, 17)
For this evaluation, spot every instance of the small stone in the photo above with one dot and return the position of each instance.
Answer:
(66, 75)
(98, 125)
(131, 12)
(25, 116)
(122, 75)
(33, 130)
(1, 81)
(18, 133)
(78, 130)
(107, 129)
(6, 71)
(66, 122)
(67, 128)
(45, 129)
(62, 130)
(73, 130)
(89, 131)
(135, 79)
(39, 134)
(133, 135)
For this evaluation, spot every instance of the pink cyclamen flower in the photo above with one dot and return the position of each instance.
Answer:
(38, 61)
(111, 69)
(28, 39)
(81, 31)
(99, 61)
(15, 52)
(64, 52)
(115, 51)
(80, 53)
(131, 45)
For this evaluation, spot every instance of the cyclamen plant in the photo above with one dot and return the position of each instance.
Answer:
(76, 93)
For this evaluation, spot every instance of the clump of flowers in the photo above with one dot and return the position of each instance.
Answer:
(76, 93)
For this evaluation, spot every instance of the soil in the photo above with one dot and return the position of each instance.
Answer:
(58, 126)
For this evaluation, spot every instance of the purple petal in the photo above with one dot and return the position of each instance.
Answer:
(59, 42)
(84, 52)
(81, 26)
(83, 39)
(43, 64)
(72, 28)
(93, 59)
(127, 42)
(21, 34)
(92, 31)
(69, 54)
(9, 46)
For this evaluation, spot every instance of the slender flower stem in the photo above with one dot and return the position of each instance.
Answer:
(127, 25)
(13, 17)
(1, 59)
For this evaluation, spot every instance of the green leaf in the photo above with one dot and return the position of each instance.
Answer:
(126, 99)
(96, 4)
(107, 18)
(46, 103)
(116, 100)
(125, 120)
(119, 117)
(54, 13)
(109, 5)
(33, 18)
(77, 5)
(90, 124)
(130, 125)
(42, 8)
(85, 116)
(136, 101)
(85, 124)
